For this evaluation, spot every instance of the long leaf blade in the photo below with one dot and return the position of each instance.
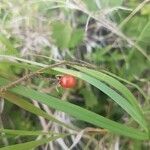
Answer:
(30, 107)
(110, 92)
(116, 85)
(31, 144)
(78, 112)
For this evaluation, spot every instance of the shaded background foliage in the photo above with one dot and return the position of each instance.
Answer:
(48, 31)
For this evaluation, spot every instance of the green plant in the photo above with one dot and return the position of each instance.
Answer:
(102, 43)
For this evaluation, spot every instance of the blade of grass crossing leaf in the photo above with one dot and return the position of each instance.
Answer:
(43, 65)
(31, 144)
(110, 92)
(78, 112)
(115, 84)
(30, 107)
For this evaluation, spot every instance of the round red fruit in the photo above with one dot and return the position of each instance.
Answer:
(67, 81)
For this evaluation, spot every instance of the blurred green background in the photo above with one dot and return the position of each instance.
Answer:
(114, 35)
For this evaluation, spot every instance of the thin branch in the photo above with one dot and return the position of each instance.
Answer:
(41, 70)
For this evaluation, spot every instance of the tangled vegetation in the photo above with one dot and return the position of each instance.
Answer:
(74, 74)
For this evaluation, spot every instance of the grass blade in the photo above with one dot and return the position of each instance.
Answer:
(31, 144)
(110, 92)
(112, 82)
(30, 107)
(78, 112)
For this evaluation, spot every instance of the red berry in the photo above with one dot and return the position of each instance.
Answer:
(67, 81)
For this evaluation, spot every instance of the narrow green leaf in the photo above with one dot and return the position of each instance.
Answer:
(78, 112)
(115, 84)
(30, 107)
(31, 144)
(110, 92)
